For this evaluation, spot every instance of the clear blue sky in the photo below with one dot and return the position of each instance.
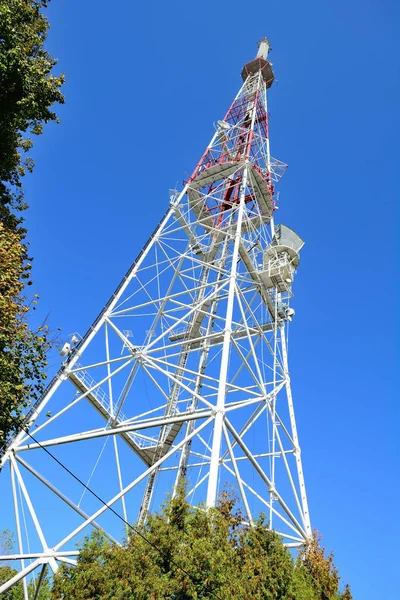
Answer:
(145, 82)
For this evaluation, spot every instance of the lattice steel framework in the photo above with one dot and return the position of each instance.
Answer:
(184, 374)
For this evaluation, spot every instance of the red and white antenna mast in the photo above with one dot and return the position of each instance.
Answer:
(184, 373)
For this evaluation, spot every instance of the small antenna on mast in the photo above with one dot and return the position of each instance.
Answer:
(263, 48)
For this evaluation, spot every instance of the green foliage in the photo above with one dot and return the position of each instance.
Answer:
(16, 592)
(197, 553)
(6, 541)
(22, 351)
(321, 571)
(7, 572)
(27, 92)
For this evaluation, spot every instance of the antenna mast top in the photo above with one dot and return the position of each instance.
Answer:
(260, 63)
(263, 48)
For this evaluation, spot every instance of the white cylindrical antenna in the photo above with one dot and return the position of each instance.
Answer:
(263, 48)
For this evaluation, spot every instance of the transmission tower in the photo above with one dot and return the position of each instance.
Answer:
(184, 374)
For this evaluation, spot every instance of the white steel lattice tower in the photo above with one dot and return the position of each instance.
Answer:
(184, 373)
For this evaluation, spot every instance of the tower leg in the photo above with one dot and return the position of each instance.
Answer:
(18, 524)
(299, 465)
(220, 406)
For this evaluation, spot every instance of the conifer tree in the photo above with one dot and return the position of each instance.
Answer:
(186, 553)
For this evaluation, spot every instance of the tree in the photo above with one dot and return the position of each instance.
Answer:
(27, 91)
(187, 553)
(6, 572)
(22, 351)
(16, 592)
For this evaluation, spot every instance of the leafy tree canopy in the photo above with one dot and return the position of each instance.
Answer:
(17, 592)
(27, 92)
(7, 572)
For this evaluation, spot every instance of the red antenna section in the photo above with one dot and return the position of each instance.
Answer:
(241, 138)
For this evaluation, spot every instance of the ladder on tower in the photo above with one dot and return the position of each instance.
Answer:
(168, 433)
(166, 438)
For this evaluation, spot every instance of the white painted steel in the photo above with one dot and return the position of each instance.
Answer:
(190, 373)
(263, 48)
(19, 536)
(220, 405)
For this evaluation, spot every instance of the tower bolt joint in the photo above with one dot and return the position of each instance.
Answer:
(217, 411)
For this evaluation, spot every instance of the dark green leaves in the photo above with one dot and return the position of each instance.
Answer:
(27, 92)
(193, 553)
